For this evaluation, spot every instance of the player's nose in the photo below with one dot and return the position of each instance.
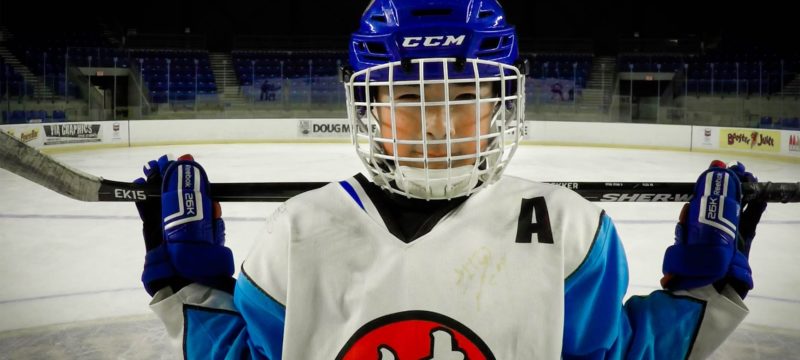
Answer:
(436, 123)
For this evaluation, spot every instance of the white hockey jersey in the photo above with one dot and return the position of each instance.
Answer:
(521, 270)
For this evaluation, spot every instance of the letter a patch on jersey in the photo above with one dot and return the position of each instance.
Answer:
(534, 219)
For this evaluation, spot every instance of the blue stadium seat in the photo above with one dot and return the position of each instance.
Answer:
(17, 117)
(59, 116)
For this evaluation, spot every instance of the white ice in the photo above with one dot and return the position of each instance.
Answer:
(69, 271)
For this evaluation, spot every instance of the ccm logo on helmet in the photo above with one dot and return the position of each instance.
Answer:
(433, 41)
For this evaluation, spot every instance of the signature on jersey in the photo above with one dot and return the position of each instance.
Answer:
(479, 271)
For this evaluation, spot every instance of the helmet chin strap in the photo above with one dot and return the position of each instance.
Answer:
(436, 183)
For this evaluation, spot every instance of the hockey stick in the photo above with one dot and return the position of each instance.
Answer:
(31, 164)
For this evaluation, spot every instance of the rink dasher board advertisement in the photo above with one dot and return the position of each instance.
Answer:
(748, 140)
(677, 137)
(53, 135)
(323, 128)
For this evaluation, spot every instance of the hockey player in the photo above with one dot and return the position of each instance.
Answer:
(434, 254)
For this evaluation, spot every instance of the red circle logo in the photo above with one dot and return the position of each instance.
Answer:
(415, 335)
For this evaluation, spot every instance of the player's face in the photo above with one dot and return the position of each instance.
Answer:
(465, 122)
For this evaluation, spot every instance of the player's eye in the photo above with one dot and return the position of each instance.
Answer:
(466, 96)
(407, 97)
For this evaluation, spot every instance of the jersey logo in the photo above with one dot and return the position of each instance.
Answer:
(413, 335)
(534, 219)
(432, 41)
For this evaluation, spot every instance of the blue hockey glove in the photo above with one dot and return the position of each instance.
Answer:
(189, 243)
(713, 236)
(150, 209)
(740, 275)
(158, 271)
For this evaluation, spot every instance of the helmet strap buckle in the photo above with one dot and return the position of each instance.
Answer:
(405, 64)
(345, 72)
(460, 64)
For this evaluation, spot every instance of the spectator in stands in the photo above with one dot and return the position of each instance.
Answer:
(555, 89)
(266, 89)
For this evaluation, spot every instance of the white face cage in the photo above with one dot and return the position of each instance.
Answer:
(436, 138)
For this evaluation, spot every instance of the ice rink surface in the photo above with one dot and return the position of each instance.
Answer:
(69, 270)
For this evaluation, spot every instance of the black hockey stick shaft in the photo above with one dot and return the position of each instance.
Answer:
(592, 191)
(31, 164)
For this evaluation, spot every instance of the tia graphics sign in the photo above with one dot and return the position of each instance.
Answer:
(58, 134)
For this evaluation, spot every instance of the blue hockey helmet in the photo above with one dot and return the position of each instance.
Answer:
(402, 30)
(424, 47)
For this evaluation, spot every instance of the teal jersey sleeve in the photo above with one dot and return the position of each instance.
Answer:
(264, 315)
(596, 324)
(209, 324)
